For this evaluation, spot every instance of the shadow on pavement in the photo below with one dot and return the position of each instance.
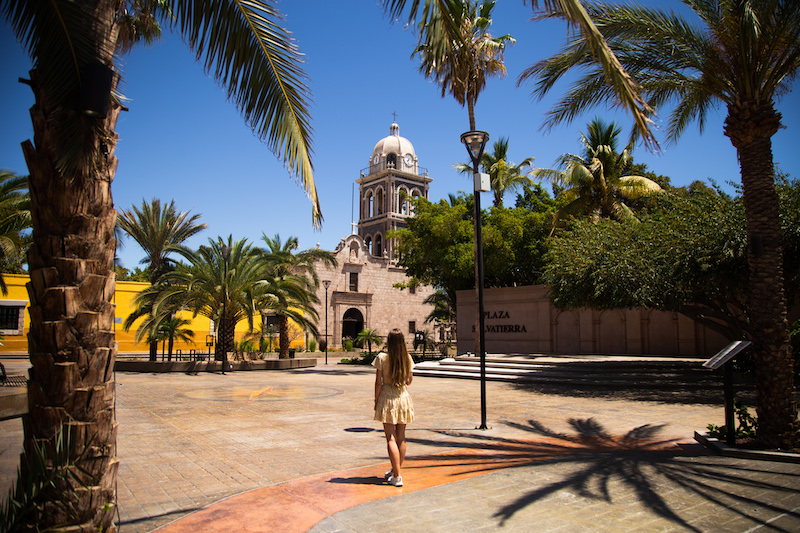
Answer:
(638, 460)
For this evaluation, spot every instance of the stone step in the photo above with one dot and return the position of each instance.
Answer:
(619, 373)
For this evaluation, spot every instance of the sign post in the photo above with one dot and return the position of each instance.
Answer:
(724, 358)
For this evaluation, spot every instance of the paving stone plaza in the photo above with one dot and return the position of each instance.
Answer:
(297, 450)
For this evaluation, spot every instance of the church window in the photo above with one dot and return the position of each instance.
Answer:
(379, 202)
(412, 289)
(378, 250)
(353, 281)
(368, 242)
(412, 326)
(391, 161)
(369, 205)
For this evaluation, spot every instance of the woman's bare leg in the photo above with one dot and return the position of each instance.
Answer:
(395, 445)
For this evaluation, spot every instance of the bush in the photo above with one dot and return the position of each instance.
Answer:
(748, 424)
(348, 345)
(365, 359)
(312, 345)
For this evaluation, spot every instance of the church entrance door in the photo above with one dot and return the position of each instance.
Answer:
(352, 323)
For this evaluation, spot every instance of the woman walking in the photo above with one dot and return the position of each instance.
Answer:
(393, 404)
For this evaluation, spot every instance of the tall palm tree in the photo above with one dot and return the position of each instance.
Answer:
(15, 220)
(155, 228)
(460, 63)
(440, 20)
(596, 183)
(743, 54)
(75, 47)
(504, 175)
(293, 276)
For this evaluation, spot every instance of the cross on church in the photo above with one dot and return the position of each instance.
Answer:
(394, 114)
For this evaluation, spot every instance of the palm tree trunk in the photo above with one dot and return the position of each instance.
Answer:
(71, 340)
(283, 329)
(153, 350)
(750, 128)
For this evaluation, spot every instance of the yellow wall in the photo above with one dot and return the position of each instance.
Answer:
(125, 294)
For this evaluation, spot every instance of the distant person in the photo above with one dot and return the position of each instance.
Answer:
(393, 405)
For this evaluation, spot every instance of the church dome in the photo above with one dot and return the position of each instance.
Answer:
(393, 144)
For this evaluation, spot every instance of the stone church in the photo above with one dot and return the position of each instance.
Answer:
(361, 291)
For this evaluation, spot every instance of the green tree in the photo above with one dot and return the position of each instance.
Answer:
(156, 228)
(743, 54)
(295, 283)
(75, 47)
(437, 247)
(596, 182)
(504, 175)
(535, 198)
(688, 254)
(368, 336)
(15, 221)
(459, 61)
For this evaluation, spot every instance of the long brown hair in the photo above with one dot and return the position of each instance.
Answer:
(398, 371)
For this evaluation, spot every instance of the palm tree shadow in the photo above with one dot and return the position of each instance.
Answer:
(639, 460)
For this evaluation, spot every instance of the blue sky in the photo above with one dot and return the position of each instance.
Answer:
(182, 140)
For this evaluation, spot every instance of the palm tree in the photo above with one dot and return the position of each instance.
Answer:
(225, 275)
(155, 229)
(460, 62)
(368, 336)
(595, 183)
(74, 47)
(443, 308)
(440, 21)
(15, 220)
(743, 54)
(174, 328)
(294, 278)
(503, 174)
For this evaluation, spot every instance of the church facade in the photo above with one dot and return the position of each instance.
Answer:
(366, 290)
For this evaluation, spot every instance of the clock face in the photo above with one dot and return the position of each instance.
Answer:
(409, 160)
(377, 158)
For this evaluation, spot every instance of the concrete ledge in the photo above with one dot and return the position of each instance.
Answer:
(743, 453)
(13, 402)
(213, 366)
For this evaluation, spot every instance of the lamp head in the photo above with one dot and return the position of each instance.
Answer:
(226, 252)
(327, 283)
(475, 141)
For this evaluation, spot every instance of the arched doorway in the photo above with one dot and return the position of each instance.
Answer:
(352, 323)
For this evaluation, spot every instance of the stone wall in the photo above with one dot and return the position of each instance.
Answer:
(522, 320)
(381, 305)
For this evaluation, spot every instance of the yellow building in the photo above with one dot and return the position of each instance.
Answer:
(15, 321)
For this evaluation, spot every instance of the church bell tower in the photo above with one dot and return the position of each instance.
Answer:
(386, 189)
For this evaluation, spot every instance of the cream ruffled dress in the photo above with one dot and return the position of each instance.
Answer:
(394, 403)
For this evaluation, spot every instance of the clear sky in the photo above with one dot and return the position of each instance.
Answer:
(182, 140)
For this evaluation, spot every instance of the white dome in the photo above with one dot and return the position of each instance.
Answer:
(393, 144)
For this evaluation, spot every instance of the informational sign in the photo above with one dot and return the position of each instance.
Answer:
(726, 354)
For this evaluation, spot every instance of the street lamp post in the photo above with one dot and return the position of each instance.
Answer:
(327, 284)
(226, 253)
(475, 141)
